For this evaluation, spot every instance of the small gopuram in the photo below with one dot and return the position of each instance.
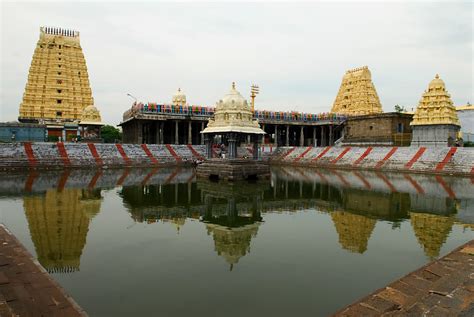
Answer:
(232, 125)
(435, 122)
(357, 95)
(90, 124)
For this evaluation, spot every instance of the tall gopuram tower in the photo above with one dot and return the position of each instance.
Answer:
(58, 86)
(357, 94)
(435, 122)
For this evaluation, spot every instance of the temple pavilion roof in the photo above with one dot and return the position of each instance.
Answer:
(233, 114)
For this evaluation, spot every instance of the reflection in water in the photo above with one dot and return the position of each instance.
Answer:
(354, 231)
(58, 212)
(59, 222)
(232, 227)
(431, 231)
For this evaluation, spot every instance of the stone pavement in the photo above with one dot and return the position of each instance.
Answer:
(26, 289)
(444, 287)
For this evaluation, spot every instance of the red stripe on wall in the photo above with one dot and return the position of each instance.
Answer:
(415, 184)
(387, 157)
(94, 179)
(123, 177)
(363, 156)
(303, 154)
(322, 153)
(94, 153)
(288, 153)
(149, 154)
(195, 153)
(445, 186)
(446, 159)
(63, 153)
(387, 182)
(415, 157)
(122, 153)
(172, 151)
(29, 153)
(363, 180)
(347, 149)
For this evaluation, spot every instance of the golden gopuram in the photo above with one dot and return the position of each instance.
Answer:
(58, 89)
(435, 122)
(357, 94)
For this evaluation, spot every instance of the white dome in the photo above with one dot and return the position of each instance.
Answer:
(233, 100)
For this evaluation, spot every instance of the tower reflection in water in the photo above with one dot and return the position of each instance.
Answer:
(59, 222)
(59, 217)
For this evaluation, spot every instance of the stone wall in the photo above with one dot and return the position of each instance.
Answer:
(437, 160)
(47, 155)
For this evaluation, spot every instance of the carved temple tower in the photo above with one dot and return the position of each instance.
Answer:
(58, 88)
(435, 122)
(357, 94)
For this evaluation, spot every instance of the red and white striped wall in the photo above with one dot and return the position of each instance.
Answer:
(417, 159)
(53, 155)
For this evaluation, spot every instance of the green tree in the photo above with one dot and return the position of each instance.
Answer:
(399, 108)
(110, 134)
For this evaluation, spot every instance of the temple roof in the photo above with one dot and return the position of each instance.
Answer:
(179, 98)
(435, 106)
(233, 114)
(91, 116)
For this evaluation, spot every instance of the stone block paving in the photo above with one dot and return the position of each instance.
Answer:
(444, 287)
(26, 289)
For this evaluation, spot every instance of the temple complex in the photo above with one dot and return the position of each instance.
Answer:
(357, 94)
(435, 122)
(58, 89)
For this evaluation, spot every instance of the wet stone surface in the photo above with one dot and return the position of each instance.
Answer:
(444, 287)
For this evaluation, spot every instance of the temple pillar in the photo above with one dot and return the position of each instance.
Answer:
(276, 134)
(302, 136)
(331, 135)
(202, 135)
(190, 132)
(255, 147)
(287, 135)
(323, 136)
(208, 141)
(232, 146)
(162, 128)
(139, 128)
(157, 132)
(176, 135)
(314, 137)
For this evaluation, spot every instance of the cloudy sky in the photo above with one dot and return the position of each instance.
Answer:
(296, 53)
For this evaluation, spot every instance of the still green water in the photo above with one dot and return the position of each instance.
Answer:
(159, 242)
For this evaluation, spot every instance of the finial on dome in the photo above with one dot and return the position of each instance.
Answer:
(233, 85)
(437, 76)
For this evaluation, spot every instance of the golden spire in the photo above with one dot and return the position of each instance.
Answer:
(357, 94)
(233, 85)
(435, 106)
